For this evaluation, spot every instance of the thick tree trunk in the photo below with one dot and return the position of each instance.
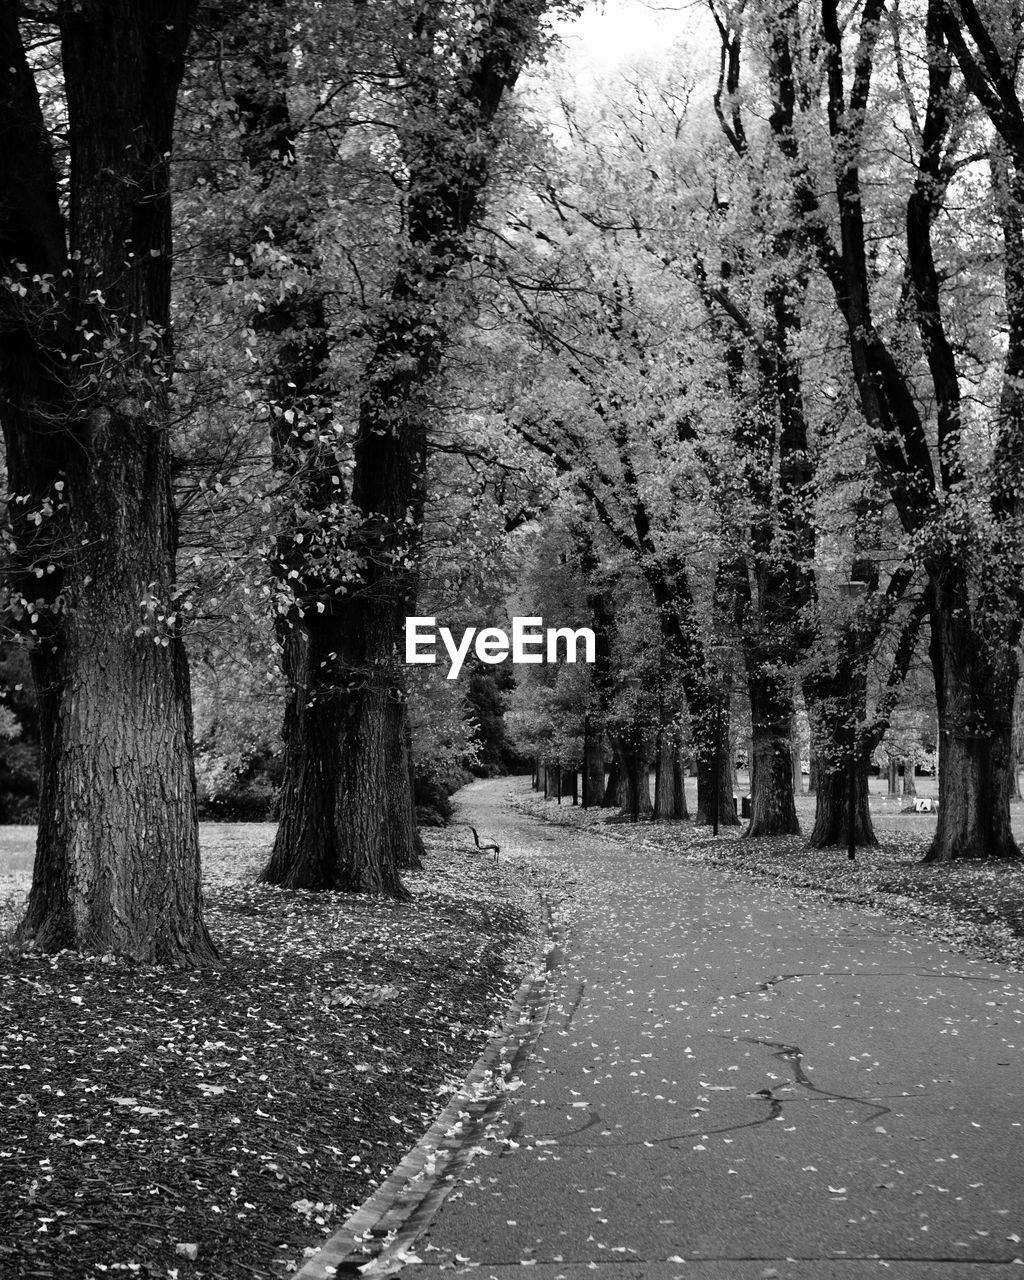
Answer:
(710, 727)
(974, 691)
(87, 427)
(727, 816)
(613, 792)
(669, 796)
(893, 776)
(117, 854)
(446, 141)
(832, 808)
(907, 775)
(773, 811)
(347, 818)
(634, 763)
(593, 769)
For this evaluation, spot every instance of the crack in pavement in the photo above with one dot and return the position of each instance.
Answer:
(770, 983)
(790, 1053)
(793, 1056)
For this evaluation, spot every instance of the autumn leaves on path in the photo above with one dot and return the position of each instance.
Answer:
(736, 1080)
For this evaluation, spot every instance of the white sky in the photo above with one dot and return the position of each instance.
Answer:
(620, 31)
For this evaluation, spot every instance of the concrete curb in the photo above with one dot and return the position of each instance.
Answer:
(376, 1239)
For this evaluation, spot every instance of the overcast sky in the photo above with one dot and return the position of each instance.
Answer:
(618, 31)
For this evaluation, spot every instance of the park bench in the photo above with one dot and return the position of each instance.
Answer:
(485, 848)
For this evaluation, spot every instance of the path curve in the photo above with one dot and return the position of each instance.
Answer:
(736, 1081)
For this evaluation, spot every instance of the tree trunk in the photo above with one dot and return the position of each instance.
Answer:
(974, 690)
(669, 796)
(832, 808)
(347, 819)
(117, 854)
(679, 784)
(909, 780)
(631, 748)
(773, 811)
(893, 774)
(705, 740)
(87, 430)
(417, 849)
(734, 773)
(613, 792)
(593, 768)
(812, 769)
(446, 139)
(727, 816)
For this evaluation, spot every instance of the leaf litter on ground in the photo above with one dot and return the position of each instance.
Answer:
(973, 906)
(215, 1124)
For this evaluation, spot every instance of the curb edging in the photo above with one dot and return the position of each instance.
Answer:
(381, 1230)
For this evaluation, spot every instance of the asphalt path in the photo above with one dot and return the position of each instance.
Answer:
(739, 1080)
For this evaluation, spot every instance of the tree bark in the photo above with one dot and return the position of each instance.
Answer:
(831, 825)
(84, 372)
(975, 689)
(679, 784)
(893, 776)
(634, 764)
(1017, 740)
(593, 768)
(773, 811)
(613, 792)
(705, 761)
(907, 776)
(669, 796)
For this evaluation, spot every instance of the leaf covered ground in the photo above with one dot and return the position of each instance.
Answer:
(972, 906)
(217, 1124)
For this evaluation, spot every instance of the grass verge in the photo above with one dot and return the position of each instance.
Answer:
(218, 1124)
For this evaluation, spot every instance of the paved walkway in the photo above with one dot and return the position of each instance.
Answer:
(735, 1081)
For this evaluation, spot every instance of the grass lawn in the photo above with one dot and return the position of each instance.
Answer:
(218, 1124)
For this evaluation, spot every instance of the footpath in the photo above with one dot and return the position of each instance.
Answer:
(735, 1080)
